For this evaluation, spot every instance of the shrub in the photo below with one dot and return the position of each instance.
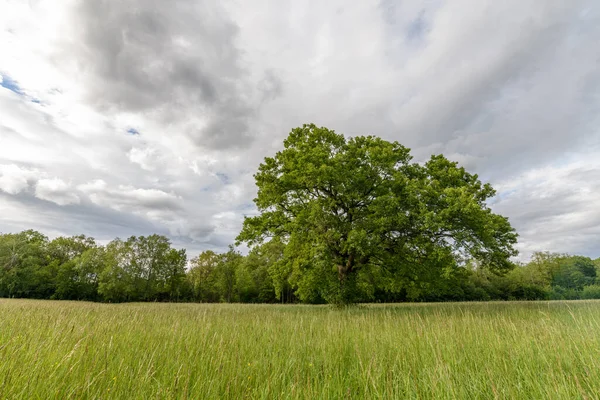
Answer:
(591, 292)
(561, 293)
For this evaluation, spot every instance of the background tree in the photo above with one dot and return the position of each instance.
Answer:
(73, 278)
(229, 263)
(202, 277)
(116, 282)
(148, 263)
(352, 209)
(143, 268)
(24, 264)
(88, 267)
(256, 274)
(574, 272)
(64, 249)
(173, 275)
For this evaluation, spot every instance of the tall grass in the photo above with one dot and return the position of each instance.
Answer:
(59, 350)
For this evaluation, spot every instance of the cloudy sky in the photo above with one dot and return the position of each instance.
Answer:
(133, 117)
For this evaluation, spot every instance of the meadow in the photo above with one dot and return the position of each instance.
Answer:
(521, 350)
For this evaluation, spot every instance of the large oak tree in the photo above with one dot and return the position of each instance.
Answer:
(357, 213)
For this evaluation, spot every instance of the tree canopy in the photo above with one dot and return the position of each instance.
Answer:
(357, 215)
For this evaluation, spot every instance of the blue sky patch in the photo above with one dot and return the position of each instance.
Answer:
(500, 196)
(223, 178)
(10, 84)
(417, 27)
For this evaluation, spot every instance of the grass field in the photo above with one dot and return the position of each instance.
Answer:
(60, 350)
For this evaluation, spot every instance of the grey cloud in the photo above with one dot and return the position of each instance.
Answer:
(271, 85)
(24, 211)
(133, 49)
(556, 210)
(167, 60)
(514, 102)
(486, 82)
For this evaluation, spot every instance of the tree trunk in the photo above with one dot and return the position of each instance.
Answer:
(344, 270)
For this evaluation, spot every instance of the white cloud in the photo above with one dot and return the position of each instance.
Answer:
(57, 191)
(14, 179)
(129, 198)
(145, 158)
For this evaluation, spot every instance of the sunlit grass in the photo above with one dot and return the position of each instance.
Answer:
(59, 350)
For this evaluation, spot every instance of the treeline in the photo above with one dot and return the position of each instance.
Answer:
(547, 276)
(148, 268)
(142, 268)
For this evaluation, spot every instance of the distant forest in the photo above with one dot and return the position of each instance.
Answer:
(148, 268)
